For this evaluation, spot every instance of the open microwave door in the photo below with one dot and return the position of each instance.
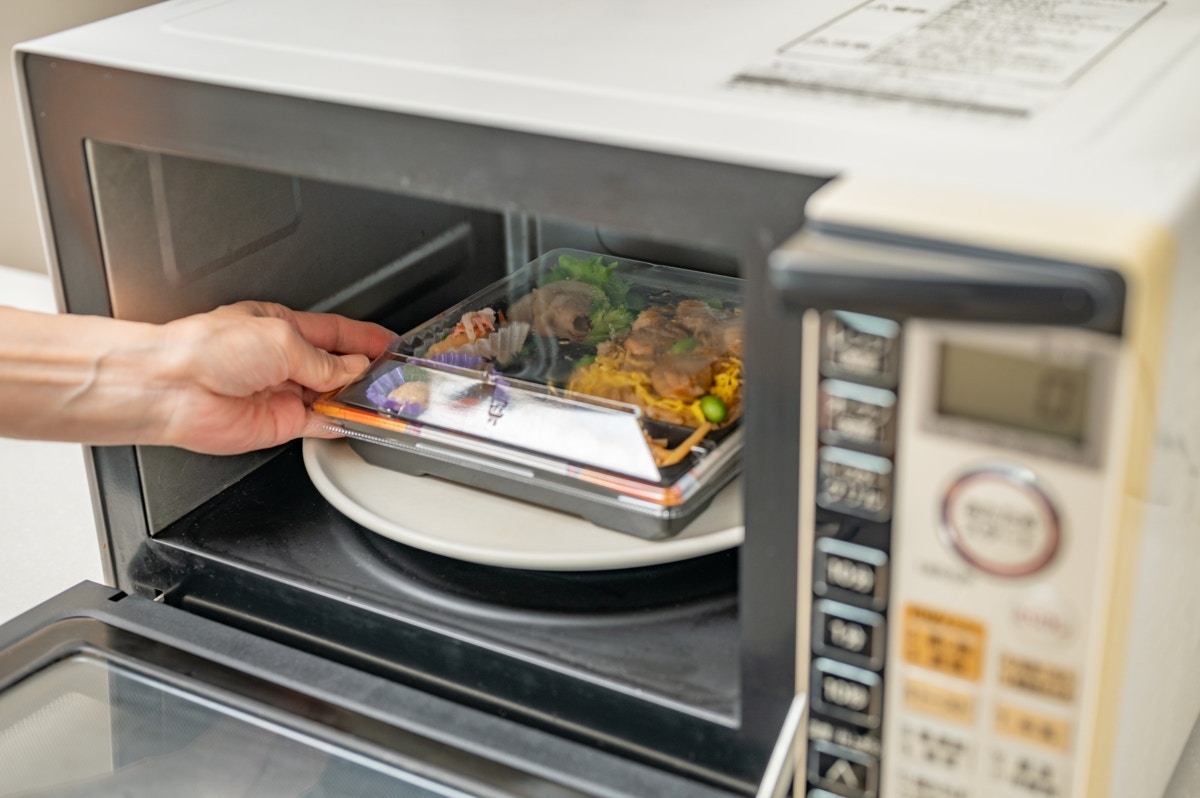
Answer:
(107, 694)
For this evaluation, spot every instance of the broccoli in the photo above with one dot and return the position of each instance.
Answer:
(592, 271)
(607, 321)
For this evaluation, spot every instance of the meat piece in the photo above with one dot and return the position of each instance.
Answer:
(522, 309)
(642, 344)
(695, 316)
(684, 376)
(644, 347)
(558, 310)
(726, 337)
(659, 316)
(566, 316)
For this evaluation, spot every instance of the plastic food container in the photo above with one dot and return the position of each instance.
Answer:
(599, 386)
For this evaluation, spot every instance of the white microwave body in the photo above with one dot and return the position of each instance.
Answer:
(1023, 621)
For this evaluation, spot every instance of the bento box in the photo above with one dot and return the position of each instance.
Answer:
(603, 387)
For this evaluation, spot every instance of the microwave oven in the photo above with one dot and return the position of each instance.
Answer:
(958, 561)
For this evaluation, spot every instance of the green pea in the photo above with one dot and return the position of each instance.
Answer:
(713, 408)
(684, 345)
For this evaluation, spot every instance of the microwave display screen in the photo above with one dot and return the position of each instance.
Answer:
(1022, 392)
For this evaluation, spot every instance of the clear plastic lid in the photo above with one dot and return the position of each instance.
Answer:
(620, 365)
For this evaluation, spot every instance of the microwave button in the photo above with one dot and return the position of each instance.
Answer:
(847, 735)
(846, 692)
(948, 752)
(1000, 521)
(842, 772)
(1045, 617)
(858, 416)
(1033, 726)
(923, 785)
(860, 347)
(1039, 678)
(848, 634)
(851, 573)
(855, 483)
(1020, 771)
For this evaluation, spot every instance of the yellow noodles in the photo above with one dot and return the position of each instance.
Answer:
(605, 378)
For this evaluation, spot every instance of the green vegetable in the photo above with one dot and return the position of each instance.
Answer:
(607, 321)
(684, 345)
(586, 360)
(592, 271)
(713, 408)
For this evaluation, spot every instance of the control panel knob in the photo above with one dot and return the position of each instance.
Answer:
(999, 520)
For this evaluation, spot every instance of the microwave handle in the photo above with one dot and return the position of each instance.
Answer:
(978, 289)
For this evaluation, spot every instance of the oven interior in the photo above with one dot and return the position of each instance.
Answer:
(614, 656)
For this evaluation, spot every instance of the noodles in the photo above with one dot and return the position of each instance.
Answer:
(609, 379)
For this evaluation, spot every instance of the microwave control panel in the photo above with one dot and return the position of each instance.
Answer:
(959, 476)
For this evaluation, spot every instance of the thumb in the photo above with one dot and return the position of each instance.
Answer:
(322, 371)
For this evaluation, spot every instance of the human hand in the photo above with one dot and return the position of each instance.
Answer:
(231, 380)
(247, 373)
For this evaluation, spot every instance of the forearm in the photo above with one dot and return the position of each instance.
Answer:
(223, 382)
(80, 378)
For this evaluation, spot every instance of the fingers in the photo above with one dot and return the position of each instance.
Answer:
(319, 351)
(259, 366)
(340, 334)
(327, 331)
(319, 370)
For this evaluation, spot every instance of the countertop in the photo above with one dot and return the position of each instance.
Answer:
(47, 531)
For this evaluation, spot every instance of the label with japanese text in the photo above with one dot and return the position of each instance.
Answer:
(1001, 58)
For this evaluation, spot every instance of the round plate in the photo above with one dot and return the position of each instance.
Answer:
(467, 524)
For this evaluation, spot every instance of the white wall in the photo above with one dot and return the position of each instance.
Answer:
(47, 531)
(20, 242)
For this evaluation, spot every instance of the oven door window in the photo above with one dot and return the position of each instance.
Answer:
(85, 726)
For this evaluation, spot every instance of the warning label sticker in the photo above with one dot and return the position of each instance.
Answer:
(1005, 58)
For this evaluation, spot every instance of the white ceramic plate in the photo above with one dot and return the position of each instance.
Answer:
(467, 524)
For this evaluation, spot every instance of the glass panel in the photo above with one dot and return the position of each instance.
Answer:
(86, 727)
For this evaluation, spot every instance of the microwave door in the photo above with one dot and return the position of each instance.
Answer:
(961, 413)
(103, 693)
